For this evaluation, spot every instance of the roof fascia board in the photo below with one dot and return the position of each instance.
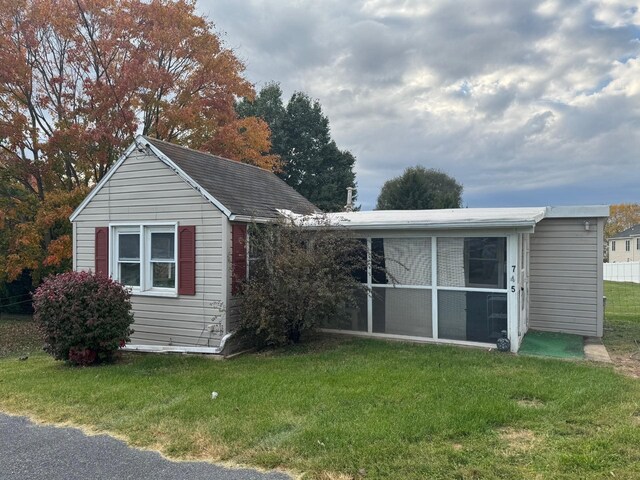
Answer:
(527, 226)
(578, 211)
(182, 174)
(102, 182)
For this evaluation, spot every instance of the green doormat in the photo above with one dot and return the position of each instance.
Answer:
(548, 344)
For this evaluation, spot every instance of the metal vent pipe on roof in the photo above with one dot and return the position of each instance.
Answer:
(349, 206)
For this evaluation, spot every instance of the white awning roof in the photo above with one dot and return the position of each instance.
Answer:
(447, 219)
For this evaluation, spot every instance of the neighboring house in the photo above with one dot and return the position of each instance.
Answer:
(170, 223)
(625, 246)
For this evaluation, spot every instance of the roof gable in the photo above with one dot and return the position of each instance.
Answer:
(235, 188)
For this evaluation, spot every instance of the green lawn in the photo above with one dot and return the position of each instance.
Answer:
(353, 407)
(622, 319)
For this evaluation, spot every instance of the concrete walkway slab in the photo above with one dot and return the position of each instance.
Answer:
(595, 351)
(36, 452)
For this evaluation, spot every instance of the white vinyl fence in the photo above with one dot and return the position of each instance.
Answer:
(622, 272)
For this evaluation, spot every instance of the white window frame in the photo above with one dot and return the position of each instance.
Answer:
(627, 245)
(115, 258)
(145, 230)
(613, 245)
(637, 243)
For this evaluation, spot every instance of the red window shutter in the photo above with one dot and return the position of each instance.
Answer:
(102, 250)
(238, 256)
(187, 260)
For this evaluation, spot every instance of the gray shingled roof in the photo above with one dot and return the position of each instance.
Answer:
(241, 188)
(629, 232)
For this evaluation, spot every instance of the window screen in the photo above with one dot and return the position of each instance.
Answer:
(356, 318)
(129, 246)
(162, 246)
(402, 311)
(478, 262)
(486, 258)
(129, 259)
(471, 316)
(359, 263)
(451, 271)
(163, 267)
(403, 261)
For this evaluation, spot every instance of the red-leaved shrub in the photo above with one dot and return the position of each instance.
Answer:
(85, 317)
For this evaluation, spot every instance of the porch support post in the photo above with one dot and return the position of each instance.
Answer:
(369, 285)
(513, 291)
(434, 287)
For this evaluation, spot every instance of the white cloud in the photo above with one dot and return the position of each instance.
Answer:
(512, 98)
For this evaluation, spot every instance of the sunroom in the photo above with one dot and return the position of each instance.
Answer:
(447, 276)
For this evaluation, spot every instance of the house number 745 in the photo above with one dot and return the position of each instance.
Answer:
(513, 279)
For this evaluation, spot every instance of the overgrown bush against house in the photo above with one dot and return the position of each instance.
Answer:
(85, 317)
(300, 279)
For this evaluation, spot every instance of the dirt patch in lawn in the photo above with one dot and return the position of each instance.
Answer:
(207, 449)
(340, 476)
(530, 402)
(518, 440)
(627, 364)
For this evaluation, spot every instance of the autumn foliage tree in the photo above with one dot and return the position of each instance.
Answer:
(621, 217)
(79, 79)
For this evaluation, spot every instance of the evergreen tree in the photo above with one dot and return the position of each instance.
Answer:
(312, 163)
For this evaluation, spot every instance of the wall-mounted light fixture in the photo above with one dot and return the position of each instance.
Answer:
(587, 226)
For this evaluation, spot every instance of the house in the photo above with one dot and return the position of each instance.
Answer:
(625, 246)
(171, 223)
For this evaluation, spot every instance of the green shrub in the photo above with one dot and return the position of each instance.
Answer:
(85, 318)
(300, 279)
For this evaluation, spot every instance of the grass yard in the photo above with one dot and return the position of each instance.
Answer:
(622, 325)
(353, 408)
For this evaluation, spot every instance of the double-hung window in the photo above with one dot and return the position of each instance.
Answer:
(144, 258)
(627, 245)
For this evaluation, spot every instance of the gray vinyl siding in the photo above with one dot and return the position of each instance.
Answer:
(144, 189)
(566, 276)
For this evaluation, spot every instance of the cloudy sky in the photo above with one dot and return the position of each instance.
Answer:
(524, 102)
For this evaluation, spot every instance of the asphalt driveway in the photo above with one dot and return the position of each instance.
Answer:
(30, 451)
